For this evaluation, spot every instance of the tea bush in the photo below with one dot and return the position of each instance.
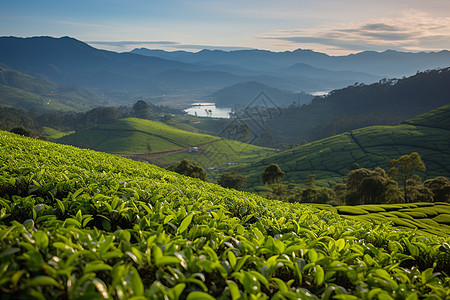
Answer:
(79, 224)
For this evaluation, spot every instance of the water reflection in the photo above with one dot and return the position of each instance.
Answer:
(208, 110)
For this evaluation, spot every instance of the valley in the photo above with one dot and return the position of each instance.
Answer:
(109, 189)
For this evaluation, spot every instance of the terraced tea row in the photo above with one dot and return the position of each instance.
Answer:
(331, 159)
(427, 218)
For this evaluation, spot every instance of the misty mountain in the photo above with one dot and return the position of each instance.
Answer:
(180, 76)
(244, 93)
(387, 102)
(67, 60)
(385, 64)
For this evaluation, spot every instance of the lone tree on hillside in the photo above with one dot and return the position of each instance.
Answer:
(141, 109)
(272, 174)
(232, 180)
(403, 168)
(190, 169)
(22, 131)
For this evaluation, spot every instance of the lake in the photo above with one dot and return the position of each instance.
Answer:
(208, 110)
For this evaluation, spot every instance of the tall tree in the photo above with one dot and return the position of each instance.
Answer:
(232, 180)
(141, 109)
(190, 169)
(365, 186)
(403, 167)
(272, 174)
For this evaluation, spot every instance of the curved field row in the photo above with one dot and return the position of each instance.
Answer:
(331, 159)
(135, 136)
(427, 218)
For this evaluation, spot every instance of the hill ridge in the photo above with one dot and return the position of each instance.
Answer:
(370, 147)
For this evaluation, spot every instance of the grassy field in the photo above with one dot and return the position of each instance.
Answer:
(135, 136)
(79, 224)
(330, 159)
(424, 217)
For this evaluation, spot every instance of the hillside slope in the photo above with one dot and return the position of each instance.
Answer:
(135, 136)
(330, 159)
(387, 102)
(82, 224)
(25, 91)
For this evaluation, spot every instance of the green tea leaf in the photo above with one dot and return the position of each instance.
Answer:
(101, 287)
(319, 275)
(312, 255)
(185, 223)
(167, 260)
(196, 295)
(41, 239)
(42, 280)
(234, 290)
(136, 282)
(251, 283)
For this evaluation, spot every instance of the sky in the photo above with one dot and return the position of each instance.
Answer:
(335, 27)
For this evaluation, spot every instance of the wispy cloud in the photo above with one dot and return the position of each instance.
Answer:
(413, 31)
(123, 46)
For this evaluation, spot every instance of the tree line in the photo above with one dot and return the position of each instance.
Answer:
(33, 121)
(400, 184)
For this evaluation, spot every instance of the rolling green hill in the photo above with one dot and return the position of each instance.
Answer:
(219, 154)
(135, 136)
(330, 159)
(25, 91)
(80, 224)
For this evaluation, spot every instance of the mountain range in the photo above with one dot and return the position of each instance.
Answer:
(185, 77)
(389, 63)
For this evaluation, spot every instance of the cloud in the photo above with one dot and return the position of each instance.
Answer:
(413, 31)
(122, 46)
(131, 43)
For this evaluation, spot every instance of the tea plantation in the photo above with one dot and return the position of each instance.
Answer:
(135, 136)
(331, 159)
(424, 217)
(79, 224)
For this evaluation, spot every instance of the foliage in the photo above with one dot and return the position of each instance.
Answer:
(272, 174)
(190, 169)
(79, 224)
(440, 186)
(141, 109)
(403, 168)
(232, 180)
(369, 187)
(22, 131)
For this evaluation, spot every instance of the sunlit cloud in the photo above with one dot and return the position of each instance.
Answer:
(413, 31)
(123, 46)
